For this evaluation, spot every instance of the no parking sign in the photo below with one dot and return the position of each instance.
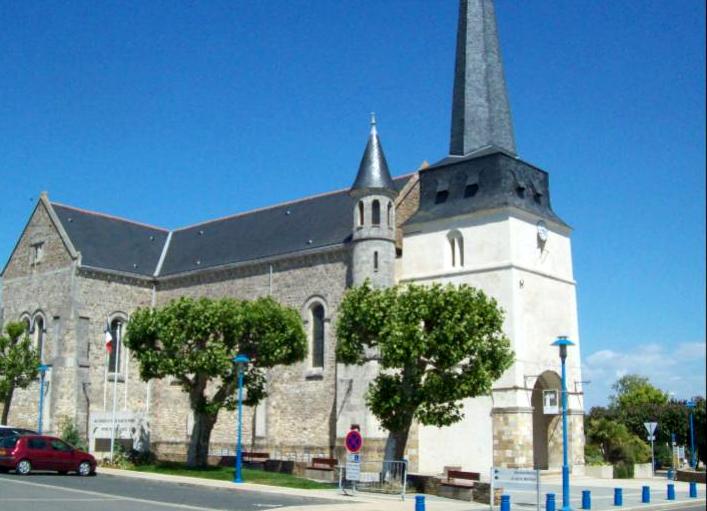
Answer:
(354, 441)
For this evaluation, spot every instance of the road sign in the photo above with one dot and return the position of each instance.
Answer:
(354, 441)
(650, 427)
(512, 475)
(353, 467)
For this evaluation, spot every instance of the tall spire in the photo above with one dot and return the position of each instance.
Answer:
(373, 171)
(481, 116)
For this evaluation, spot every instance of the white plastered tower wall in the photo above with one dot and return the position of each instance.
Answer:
(533, 283)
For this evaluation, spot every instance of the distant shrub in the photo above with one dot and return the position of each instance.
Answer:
(70, 434)
(623, 470)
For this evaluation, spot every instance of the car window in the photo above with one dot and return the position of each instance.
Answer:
(8, 442)
(36, 443)
(58, 445)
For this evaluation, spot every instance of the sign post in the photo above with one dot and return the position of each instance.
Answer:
(516, 476)
(651, 427)
(353, 443)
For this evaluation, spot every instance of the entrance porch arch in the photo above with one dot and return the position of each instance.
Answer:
(547, 429)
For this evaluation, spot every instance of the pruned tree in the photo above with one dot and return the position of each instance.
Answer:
(436, 346)
(19, 364)
(194, 341)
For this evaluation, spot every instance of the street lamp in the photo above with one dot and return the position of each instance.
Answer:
(240, 361)
(693, 460)
(563, 342)
(43, 368)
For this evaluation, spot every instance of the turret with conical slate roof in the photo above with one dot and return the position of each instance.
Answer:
(373, 256)
(481, 117)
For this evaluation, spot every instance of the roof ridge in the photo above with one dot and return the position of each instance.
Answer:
(106, 215)
(286, 203)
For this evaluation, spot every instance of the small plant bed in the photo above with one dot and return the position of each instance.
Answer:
(226, 474)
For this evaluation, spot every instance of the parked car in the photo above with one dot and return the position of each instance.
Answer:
(25, 453)
(14, 431)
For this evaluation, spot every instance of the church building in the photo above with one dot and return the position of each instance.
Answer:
(481, 216)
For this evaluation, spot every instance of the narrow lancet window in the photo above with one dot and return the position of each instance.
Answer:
(317, 336)
(375, 212)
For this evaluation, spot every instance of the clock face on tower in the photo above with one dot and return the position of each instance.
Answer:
(542, 231)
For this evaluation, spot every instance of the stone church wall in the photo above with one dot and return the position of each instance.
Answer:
(42, 289)
(300, 409)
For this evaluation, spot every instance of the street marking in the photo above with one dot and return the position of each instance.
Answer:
(53, 499)
(113, 496)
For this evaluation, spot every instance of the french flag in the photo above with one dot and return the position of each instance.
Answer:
(109, 339)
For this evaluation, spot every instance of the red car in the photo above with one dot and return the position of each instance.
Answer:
(37, 452)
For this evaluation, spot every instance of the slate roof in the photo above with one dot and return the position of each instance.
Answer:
(373, 173)
(115, 244)
(112, 243)
(461, 185)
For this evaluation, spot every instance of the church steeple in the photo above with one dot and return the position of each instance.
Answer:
(481, 117)
(373, 173)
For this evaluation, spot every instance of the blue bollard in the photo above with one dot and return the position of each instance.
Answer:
(646, 495)
(550, 502)
(618, 497)
(671, 492)
(693, 490)
(586, 499)
(419, 503)
(505, 503)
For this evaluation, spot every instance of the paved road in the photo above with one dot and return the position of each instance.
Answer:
(40, 492)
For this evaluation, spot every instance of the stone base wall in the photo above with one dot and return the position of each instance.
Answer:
(513, 438)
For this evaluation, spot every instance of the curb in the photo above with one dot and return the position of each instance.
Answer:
(212, 483)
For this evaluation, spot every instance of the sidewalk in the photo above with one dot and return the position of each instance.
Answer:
(602, 490)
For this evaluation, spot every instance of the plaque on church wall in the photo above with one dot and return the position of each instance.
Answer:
(551, 402)
(132, 431)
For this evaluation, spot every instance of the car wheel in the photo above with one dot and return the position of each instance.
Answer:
(84, 468)
(24, 467)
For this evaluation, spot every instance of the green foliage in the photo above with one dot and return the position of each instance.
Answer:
(615, 442)
(636, 401)
(19, 363)
(437, 345)
(593, 455)
(623, 470)
(69, 433)
(194, 341)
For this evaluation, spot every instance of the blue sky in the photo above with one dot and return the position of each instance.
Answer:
(176, 112)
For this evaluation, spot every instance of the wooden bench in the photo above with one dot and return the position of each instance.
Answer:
(256, 457)
(323, 463)
(322, 469)
(460, 478)
(459, 485)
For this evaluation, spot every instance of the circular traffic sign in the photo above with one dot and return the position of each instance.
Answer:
(354, 441)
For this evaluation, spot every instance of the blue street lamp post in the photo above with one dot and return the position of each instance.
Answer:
(563, 342)
(240, 361)
(42, 373)
(693, 459)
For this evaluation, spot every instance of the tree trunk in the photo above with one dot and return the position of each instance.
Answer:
(198, 455)
(7, 399)
(396, 442)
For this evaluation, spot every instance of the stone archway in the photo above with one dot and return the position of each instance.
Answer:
(547, 429)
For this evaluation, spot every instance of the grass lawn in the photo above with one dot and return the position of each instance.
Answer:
(226, 474)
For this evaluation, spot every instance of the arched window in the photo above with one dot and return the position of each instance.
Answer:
(317, 325)
(26, 321)
(360, 213)
(390, 214)
(116, 345)
(40, 332)
(376, 212)
(456, 249)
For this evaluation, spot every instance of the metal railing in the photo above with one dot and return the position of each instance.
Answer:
(387, 476)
